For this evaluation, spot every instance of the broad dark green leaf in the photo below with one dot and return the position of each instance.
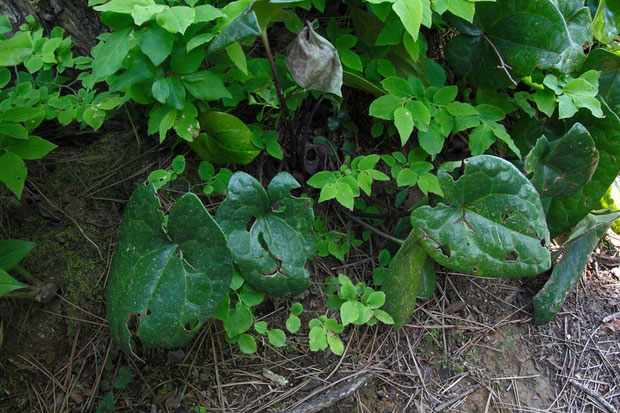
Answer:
(12, 251)
(563, 213)
(242, 27)
(526, 33)
(428, 283)
(491, 224)
(226, 139)
(571, 266)
(402, 281)
(563, 167)
(269, 232)
(167, 278)
(314, 63)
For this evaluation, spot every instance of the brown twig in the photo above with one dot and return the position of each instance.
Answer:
(595, 395)
(373, 229)
(285, 111)
(503, 64)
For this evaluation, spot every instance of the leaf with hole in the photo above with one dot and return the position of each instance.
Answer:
(270, 233)
(168, 276)
(491, 221)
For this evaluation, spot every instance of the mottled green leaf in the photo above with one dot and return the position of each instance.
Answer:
(270, 233)
(526, 34)
(563, 167)
(167, 277)
(490, 223)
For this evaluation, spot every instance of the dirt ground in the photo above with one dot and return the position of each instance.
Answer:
(470, 348)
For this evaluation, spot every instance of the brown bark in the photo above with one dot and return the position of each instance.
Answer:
(80, 21)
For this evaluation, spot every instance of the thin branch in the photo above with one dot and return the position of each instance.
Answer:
(285, 111)
(373, 229)
(595, 395)
(503, 64)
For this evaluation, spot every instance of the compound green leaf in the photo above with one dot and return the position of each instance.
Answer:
(402, 282)
(525, 33)
(167, 277)
(206, 86)
(13, 51)
(563, 167)
(491, 224)
(157, 44)
(270, 233)
(226, 139)
(32, 148)
(571, 266)
(608, 63)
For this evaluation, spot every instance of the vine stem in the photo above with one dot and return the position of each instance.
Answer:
(502, 64)
(285, 111)
(373, 229)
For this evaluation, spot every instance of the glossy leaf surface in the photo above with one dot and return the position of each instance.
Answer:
(167, 278)
(564, 166)
(492, 222)
(525, 33)
(269, 232)
(227, 139)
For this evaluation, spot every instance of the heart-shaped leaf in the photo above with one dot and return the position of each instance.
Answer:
(571, 266)
(270, 233)
(526, 34)
(314, 62)
(562, 167)
(563, 213)
(168, 276)
(226, 139)
(492, 222)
